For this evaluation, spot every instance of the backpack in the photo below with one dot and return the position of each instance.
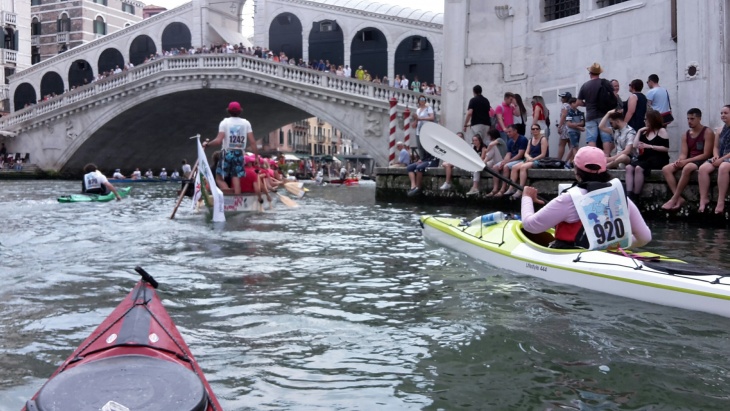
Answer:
(606, 98)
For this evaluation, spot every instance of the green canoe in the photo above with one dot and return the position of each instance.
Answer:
(86, 198)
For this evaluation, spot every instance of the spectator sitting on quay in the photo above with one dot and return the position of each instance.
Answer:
(537, 148)
(404, 157)
(623, 137)
(516, 147)
(720, 161)
(653, 144)
(696, 147)
(496, 150)
(449, 168)
(415, 172)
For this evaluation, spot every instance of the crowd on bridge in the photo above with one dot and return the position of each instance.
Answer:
(631, 133)
(400, 81)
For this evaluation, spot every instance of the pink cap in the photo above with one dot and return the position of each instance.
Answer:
(234, 107)
(249, 159)
(590, 159)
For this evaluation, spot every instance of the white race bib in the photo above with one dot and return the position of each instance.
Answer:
(604, 214)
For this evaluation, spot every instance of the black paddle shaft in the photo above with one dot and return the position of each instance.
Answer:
(510, 182)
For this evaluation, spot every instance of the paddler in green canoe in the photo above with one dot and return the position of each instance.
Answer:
(594, 214)
(95, 182)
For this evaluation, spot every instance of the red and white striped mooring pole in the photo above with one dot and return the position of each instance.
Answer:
(391, 142)
(407, 128)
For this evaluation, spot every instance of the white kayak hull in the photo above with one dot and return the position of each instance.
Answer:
(594, 270)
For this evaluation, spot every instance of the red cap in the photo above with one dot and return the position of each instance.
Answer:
(234, 107)
(590, 159)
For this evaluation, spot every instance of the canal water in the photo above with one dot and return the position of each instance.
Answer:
(340, 305)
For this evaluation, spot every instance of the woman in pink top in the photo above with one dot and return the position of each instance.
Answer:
(590, 168)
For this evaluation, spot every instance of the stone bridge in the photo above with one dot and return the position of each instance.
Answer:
(143, 117)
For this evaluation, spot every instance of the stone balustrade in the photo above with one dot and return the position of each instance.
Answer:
(211, 64)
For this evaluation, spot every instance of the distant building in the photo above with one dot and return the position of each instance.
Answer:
(15, 16)
(60, 26)
(312, 136)
(149, 11)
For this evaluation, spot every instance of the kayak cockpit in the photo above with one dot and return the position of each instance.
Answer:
(138, 382)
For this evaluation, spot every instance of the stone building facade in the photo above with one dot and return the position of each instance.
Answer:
(15, 56)
(59, 26)
(542, 47)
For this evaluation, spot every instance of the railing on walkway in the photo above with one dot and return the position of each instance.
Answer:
(249, 64)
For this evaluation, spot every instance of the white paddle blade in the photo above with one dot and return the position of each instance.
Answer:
(447, 146)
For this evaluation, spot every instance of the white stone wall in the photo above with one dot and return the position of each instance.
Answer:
(631, 40)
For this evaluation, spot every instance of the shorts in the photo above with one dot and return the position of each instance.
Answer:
(574, 137)
(513, 163)
(592, 132)
(481, 129)
(422, 166)
(231, 164)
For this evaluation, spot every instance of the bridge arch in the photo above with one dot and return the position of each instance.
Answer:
(80, 73)
(110, 134)
(285, 34)
(326, 42)
(24, 94)
(176, 35)
(369, 48)
(415, 57)
(141, 48)
(51, 82)
(109, 60)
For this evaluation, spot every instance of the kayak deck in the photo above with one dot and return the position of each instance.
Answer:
(136, 358)
(643, 276)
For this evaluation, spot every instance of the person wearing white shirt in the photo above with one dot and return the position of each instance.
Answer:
(95, 182)
(404, 83)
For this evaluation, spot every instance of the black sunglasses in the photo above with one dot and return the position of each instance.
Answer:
(534, 128)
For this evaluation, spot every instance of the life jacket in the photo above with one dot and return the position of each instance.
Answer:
(604, 209)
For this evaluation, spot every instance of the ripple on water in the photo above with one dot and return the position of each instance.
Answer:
(339, 304)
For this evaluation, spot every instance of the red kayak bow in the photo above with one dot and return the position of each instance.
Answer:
(135, 360)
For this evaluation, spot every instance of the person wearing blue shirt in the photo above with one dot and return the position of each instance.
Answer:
(516, 147)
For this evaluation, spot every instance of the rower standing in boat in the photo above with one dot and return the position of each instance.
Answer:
(594, 214)
(233, 135)
(96, 183)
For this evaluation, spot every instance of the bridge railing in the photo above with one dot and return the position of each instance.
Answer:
(183, 63)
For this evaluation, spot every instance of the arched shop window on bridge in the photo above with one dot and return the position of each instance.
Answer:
(285, 35)
(176, 35)
(80, 73)
(142, 47)
(414, 57)
(370, 50)
(109, 60)
(51, 83)
(24, 96)
(326, 42)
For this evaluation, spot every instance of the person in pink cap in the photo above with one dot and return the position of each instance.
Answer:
(234, 134)
(594, 214)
